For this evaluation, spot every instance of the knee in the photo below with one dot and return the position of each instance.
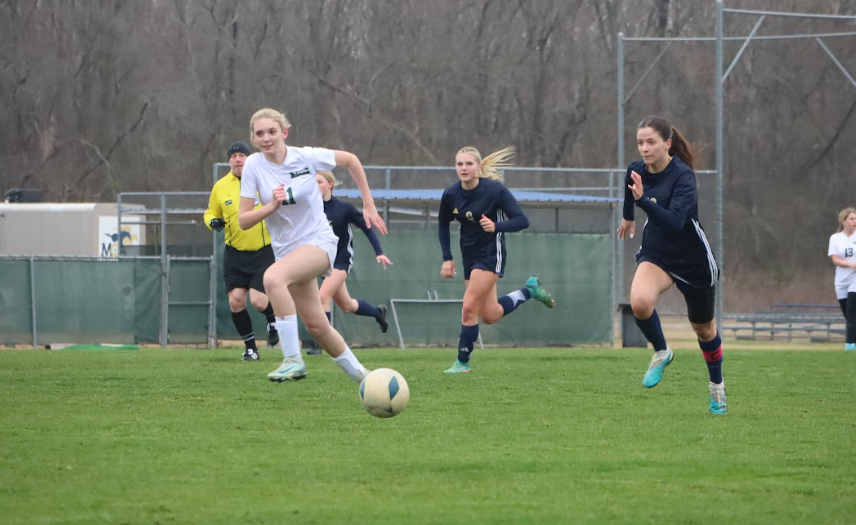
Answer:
(469, 311)
(273, 281)
(706, 331)
(259, 303)
(237, 304)
(642, 307)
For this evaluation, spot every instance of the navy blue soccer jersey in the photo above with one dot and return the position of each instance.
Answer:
(490, 198)
(672, 236)
(341, 215)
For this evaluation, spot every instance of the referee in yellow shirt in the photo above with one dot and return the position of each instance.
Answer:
(247, 255)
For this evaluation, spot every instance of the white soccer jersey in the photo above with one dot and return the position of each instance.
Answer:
(301, 217)
(844, 247)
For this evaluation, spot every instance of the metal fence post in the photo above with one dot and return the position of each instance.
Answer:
(119, 247)
(212, 289)
(619, 244)
(164, 332)
(387, 185)
(33, 300)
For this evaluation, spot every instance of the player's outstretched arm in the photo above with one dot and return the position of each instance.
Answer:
(348, 160)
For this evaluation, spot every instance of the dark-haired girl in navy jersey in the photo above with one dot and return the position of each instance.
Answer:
(674, 249)
(486, 210)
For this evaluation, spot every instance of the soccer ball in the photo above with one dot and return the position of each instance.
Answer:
(384, 392)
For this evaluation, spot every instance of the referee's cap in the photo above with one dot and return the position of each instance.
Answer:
(237, 147)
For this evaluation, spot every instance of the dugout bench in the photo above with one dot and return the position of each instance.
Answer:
(788, 322)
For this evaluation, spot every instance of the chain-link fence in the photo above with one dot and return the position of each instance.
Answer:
(133, 300)
(166, 287)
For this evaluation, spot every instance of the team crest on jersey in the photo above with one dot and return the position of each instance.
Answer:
(228, 202)
(653, 199)
(299, 173)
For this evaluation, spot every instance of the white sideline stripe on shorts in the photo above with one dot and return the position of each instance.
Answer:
(711, 262)
(499, 218)
(350, 248)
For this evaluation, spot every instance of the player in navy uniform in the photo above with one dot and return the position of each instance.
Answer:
(674, 249)
(486, 210)
(341, 215)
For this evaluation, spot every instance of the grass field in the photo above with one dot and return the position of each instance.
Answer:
(531, 436)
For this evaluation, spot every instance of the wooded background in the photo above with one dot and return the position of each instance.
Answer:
(101, 97)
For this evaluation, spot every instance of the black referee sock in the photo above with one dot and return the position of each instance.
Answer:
(850, 317)
(271, 318)
(245, 328)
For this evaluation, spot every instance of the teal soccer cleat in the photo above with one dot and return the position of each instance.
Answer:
(717, 399)
(850, 346)
(459, 368)
(538, 293)
(289, 370)
(661, 359)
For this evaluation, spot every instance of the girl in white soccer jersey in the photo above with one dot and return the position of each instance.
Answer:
(842, 250)
(303, 242)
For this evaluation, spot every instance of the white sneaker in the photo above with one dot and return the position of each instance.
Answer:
(290, 370)
(717, 398)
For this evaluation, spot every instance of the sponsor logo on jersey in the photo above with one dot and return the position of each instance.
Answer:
(455, 211)
(299, 173)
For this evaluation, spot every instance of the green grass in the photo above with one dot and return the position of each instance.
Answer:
(530, 436)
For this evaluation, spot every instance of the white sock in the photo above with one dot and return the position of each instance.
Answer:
(289, 339)
(350, 364)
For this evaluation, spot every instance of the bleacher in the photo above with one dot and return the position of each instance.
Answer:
(817, 323)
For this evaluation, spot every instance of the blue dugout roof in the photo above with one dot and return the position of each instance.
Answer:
(433, 196)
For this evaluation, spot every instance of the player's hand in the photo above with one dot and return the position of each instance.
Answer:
(636, 187)
(447, 271)
(487, 224)
(217, 224)
(384, 260)
(279, 196)
(373, 218)
(626, 227)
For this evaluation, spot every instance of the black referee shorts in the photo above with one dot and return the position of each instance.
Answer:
(246, 269)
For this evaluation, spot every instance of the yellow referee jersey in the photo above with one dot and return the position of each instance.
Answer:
(223, 204)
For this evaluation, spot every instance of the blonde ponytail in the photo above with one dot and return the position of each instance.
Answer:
(494, 162)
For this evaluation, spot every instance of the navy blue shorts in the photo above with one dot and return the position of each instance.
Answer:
(344, 261)
(490, 258)
(697, 284)
(246, 269)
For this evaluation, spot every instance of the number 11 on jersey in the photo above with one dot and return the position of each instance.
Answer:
(290, 199)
